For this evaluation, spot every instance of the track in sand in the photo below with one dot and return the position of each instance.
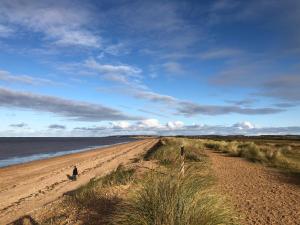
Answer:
(259, 194)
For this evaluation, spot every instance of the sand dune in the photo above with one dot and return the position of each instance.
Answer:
(27, 187)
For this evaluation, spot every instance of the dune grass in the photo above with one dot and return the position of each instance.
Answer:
(169, 152)
(91, 193)
(282, 157)
(173, 200)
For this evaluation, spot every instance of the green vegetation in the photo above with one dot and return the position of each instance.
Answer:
(171, 200)
(168, 152)
(282, 156)
(93, 193)
(120, 176)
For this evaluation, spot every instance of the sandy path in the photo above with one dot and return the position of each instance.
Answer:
(259, 194)
(29, 186)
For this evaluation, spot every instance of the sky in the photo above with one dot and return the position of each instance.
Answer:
(100, 68)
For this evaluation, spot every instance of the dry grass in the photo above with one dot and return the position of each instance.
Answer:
(282, 157)
(174, 200)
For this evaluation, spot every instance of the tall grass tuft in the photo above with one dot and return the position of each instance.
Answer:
(120, 176)
(174, 200)
(89, 193)
(252, 152)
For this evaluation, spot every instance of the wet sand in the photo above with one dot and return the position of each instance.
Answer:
(26, 187)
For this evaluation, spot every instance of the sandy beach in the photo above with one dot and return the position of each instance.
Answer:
(26, 187)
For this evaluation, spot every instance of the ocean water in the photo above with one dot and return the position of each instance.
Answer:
(17, 150)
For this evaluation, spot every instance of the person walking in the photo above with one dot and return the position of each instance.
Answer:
(75, 173)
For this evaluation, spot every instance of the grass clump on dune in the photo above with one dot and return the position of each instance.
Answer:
(120, 176)
(90, 192)
(280, 157)
(173, 200)
(169, 152)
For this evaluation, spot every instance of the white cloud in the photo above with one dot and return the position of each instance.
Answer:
(175, 124)
(149, 123)
(152, 126)
(116, 50)
(8, 77)
(65, 36)
(113, 69)
(120, 125)
(64, 23)
(152, 96)
(173, 67)
(124, 74)
(5, 31)
(220, 53)
(244, 125)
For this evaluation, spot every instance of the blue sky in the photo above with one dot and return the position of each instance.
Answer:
(98, 68)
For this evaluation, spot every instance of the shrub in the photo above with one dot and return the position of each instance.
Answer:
(220, 146)
(252, 152)
(233, 148)
(191, 156)
(286, 149)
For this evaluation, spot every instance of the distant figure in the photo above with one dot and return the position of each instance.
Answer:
(182, 151)
(182, 155)
(75, 173)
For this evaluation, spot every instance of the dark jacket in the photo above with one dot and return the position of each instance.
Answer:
(75, 172)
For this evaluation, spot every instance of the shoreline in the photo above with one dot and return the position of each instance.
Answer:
(45, 156)
(28, 186)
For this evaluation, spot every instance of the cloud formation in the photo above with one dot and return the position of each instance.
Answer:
(173, 68)
(5, 31)
(153, 97)
(285, 87)
(113, 69)
(75, 110)
(25, 79)
(189, 109)
(18, 125)
(179, 128)
(57, 126)
(219, 53)
(245, 102)
(63, 23)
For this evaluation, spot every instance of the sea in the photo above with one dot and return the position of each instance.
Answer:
(16, 150)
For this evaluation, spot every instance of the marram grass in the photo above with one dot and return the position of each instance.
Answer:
(174, 200)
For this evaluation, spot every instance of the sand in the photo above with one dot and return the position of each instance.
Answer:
(260, 195)
(27, 187)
